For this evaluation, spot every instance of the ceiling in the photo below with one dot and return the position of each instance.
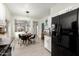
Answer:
(37, 10)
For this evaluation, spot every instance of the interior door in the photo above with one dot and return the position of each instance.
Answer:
(42, 31)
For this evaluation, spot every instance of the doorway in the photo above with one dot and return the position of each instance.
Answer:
(35, 28)
(42, 32)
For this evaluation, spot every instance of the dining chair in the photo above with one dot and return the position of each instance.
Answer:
(33, 38)
(20, 40)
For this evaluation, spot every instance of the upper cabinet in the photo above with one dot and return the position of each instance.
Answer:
(2, 14)
(68, 18)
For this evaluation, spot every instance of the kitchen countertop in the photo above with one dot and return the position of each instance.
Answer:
(4, 45)
(5, 41)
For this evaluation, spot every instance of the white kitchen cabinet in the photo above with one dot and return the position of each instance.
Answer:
(47, 43)
(2, 12)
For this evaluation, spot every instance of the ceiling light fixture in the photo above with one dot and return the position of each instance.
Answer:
(27, 11)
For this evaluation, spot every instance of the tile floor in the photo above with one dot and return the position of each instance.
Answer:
(36, 49)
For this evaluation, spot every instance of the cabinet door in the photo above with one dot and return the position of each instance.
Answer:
(46, 42)
(55, 20)
(49, 44)
(78, 36)
(67, 21)
(54, 39)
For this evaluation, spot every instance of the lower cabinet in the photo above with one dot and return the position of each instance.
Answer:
(47, 42)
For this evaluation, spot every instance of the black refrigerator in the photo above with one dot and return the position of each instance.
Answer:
(65, 34)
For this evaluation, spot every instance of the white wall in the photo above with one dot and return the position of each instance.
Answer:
(5, 14)
(8, 16)
(43, 21)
